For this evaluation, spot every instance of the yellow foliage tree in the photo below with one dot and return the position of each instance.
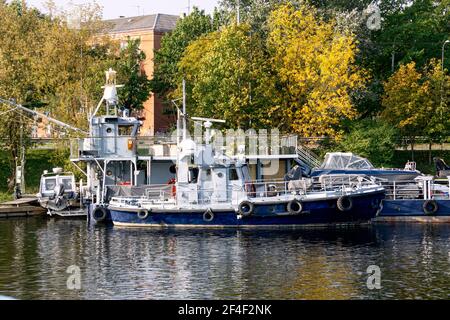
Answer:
(315, 64)
(417, 102)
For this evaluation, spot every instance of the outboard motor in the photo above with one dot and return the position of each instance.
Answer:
(442, 169)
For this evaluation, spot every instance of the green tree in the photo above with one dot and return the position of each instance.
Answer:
(229, 77)
(136, 89)
(372, 139)
(188, 29)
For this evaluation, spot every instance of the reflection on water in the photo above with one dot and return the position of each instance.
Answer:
(222, 264)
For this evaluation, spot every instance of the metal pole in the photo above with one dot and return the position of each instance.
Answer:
(184, 109)
(443, 52)
(238, 13)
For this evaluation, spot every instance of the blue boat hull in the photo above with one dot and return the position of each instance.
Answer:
(322, 212)
(412, 210)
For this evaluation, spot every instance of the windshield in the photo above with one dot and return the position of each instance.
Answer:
(50, 184)
(339, 160)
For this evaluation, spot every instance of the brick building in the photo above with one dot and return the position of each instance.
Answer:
(149, 29)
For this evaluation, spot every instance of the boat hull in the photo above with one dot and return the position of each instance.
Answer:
(315, 213)
(412, 210)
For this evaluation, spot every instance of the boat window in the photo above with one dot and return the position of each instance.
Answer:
(50, 184)
(67, 182)
(246, 173)
(233, 174)
(193, 175)
(125, 130)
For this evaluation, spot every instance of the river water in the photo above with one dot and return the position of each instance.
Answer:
(330, 263)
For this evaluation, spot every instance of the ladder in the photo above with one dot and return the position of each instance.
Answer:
(307, 156)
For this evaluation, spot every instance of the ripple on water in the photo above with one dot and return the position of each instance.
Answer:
(222, 264)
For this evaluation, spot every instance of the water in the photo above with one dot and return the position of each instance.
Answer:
(222, 264)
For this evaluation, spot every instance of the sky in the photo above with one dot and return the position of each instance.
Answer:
(115, 8)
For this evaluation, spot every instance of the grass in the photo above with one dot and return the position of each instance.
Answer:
(5, 196)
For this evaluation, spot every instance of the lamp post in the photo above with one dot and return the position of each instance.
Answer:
(443, 51)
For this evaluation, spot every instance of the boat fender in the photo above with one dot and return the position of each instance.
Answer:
(142, 214)
(430, 207)
(208, 216)
(99, 214)
(344, 203)
(294, 207)
(246, 208)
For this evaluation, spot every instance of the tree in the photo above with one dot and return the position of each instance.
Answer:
(372, 139)
(136, 89)
(416, 102)
(229, 77)
(172, 48)
(316, 71)
(412, 100)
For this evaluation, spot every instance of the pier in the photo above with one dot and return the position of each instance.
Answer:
(24, 207)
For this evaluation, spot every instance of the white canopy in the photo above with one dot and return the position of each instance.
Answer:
(341, 160)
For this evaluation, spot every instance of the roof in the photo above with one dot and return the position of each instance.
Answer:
(157, 22)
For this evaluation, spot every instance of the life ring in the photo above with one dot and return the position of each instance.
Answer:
(294, 207)
(430, 207)
(99, 214)
(142, 214)
(246, 208)
(208, 216)
(344, 203)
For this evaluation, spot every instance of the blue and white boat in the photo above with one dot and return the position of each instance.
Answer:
(213, 189)
(349, 163)
(424, 199)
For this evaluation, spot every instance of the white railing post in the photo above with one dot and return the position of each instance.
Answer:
(395, 191)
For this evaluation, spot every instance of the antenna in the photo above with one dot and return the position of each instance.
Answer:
(184, 109)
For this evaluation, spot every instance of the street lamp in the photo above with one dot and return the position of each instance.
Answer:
(443, 51)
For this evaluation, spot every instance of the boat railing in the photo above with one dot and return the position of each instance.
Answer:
(342, 184)
(424, 187)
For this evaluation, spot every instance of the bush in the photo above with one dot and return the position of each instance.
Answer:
(371, 139)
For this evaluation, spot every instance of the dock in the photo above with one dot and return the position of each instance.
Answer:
(24, 207)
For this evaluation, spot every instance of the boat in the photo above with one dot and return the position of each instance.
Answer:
(59, 195)
(213, 189)
(424, 199)
(350, 163)
(120, 162)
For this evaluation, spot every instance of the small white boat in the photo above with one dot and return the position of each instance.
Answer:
(58, 193)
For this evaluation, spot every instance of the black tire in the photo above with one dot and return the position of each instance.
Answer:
(430, 207)
(99, 214)
(208, 216)
(344, 203)
(246, 208)
(294, 207)
(142, 214)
